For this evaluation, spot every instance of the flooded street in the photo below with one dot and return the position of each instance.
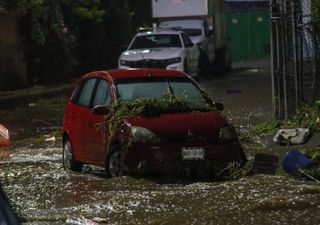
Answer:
(42, 192)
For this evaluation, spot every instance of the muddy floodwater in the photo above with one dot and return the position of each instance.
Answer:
(42, 192)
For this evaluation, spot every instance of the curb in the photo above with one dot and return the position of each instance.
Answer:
(12, 99)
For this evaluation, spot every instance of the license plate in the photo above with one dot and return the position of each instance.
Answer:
(193, 153)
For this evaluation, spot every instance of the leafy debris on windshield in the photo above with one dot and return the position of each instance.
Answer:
(149, 107)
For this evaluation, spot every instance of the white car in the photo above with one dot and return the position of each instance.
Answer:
(168, 49)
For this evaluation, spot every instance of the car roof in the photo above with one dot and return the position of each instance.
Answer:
(134, 73)
(162, 31)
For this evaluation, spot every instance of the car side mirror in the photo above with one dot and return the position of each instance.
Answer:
(189, 45)
(100, 110)
(219, 106)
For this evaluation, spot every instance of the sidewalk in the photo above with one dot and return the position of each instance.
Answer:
(10, 99)
(261, 64)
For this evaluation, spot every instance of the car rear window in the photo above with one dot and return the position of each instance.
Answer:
(154, 87)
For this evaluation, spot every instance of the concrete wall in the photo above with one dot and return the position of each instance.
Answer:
(13, 72)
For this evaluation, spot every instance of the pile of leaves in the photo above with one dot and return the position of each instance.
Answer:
(307, 116)
(149, 107)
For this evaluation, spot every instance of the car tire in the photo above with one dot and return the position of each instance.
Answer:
(185, 66)
(220, 62)
(68, 161)
(116, 165)
(203, 65)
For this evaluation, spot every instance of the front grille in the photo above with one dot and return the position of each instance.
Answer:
(148, 63)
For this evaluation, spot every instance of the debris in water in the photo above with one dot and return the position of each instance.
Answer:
(292, 136)
(265, 164)
(294, 161)
(50, 139)
(4, 136)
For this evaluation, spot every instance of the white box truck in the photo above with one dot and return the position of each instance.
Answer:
(204, 22)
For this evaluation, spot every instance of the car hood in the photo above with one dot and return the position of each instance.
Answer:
(183, 126)
(155, 53)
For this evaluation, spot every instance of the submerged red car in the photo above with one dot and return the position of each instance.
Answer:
(192, 134)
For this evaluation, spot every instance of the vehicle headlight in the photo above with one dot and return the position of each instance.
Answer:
(173, 60)
(124, 63)
(141, 134)
(228, 133)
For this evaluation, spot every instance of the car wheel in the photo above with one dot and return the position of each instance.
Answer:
(203, 65)
(185, 66)
(69, 163)
(116, 165)
(220, 63)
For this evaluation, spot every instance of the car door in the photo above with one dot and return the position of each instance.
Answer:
(79, 110)
(192, 54)
(96, 138)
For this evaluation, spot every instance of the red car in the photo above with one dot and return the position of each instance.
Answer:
(177, 136)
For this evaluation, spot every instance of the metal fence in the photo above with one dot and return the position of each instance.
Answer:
(295, 56)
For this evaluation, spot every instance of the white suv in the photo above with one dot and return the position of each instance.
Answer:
(167, 49)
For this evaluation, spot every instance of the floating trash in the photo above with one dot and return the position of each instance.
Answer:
(294, 161)
(292, 136)
(50, 139)
(4, 136)
(265, 164)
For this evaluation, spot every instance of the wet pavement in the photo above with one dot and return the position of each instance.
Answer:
(41, 192)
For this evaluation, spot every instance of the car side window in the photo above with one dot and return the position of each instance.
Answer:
(187, 41)
(103, 94)
(84, 95)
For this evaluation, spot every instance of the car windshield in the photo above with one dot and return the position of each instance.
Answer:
(154, 87)
(193, 31)
(156, 41)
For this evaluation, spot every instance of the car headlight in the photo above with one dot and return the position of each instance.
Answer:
(141, 134)
(173, 60)
(228, 133)
(124, 63)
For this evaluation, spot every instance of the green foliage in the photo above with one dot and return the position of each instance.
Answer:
(146, 107)
(66, 37)
(140, 12)
(316, 155)
(235, 171)
(317, 105)
(267, 127)
(306, 117)
(312, 173)
(316, 9)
